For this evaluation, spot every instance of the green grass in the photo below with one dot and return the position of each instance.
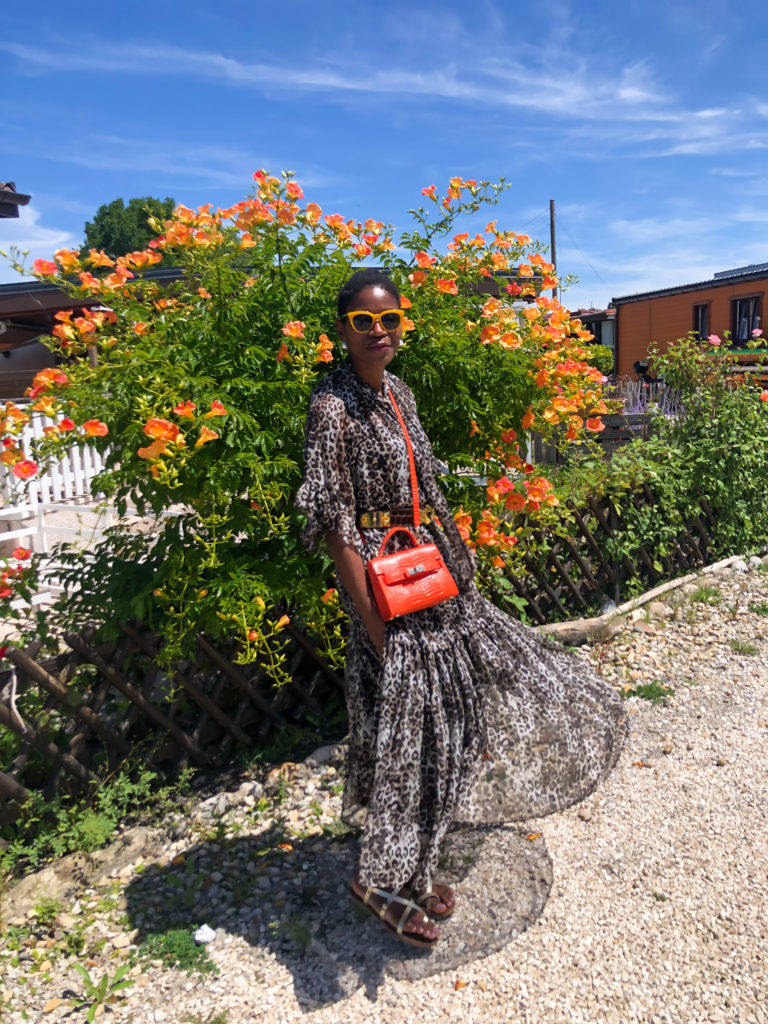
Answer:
(707, 595)
(655, 692)
(759, 607)
(178, 949)
(297, 931)
(47, 910)
(743, 647)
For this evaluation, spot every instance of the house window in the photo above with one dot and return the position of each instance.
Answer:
(701, 320)
(745, 318)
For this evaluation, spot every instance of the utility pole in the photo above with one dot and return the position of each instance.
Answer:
(552, 250)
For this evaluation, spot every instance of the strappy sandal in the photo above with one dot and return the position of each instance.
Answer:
(409, 907)
(425, 898)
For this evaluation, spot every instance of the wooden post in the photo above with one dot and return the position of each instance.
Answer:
(553, 251)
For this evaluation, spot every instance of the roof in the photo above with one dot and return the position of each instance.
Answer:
(27, 307)
(11, 200)
(754, 272)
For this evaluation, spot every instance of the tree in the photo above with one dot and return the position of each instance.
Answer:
(118, 229)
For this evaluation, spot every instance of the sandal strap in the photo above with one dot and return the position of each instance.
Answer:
(388, 898)
(428, 894)
(409, 908)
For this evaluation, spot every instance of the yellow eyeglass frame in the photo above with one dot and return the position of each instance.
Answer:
(375, 318)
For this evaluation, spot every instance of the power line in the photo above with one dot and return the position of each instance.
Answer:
(586, 259)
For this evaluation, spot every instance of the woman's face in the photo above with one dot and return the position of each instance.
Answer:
(376, 348)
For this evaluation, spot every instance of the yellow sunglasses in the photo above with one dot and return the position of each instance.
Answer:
(362, 321)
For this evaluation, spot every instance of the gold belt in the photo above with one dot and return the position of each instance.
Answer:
(378, 519)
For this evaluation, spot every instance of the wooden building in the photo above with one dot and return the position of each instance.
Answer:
(27, 314)
(732, 301)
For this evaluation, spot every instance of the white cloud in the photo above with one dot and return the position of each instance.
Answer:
(27, 233)
(576, 89)
(652, 229)
(163, 162)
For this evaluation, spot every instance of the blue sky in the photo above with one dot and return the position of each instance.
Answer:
(646, 122)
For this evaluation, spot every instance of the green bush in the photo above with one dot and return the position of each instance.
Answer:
(201, 385)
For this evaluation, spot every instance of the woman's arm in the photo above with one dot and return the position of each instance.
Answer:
(349, 566)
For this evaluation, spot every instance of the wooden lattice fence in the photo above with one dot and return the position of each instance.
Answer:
(577, 573)
(103, 704)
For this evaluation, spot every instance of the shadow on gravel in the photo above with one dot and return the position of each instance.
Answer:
(293, 900)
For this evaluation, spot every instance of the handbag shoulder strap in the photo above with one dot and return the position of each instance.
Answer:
(411, 462)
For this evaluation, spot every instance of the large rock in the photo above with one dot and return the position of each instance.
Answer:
(62, 879)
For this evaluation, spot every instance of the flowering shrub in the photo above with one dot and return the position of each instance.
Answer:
(195, 389)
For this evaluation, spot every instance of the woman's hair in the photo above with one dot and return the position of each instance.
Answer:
(371, 277)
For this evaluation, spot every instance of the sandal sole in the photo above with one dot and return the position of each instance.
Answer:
(409, 938)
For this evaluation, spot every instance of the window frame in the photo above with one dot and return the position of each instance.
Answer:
(707, 306)
(754, 320)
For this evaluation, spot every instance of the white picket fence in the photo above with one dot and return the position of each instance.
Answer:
(56, 505)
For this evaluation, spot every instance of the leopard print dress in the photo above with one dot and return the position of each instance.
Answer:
(470, 716)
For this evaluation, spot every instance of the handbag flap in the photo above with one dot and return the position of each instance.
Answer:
(409, 565)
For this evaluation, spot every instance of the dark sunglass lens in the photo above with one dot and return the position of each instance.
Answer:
(362, 322)
(390, 321)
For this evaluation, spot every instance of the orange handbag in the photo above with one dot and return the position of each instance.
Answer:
(416, 577)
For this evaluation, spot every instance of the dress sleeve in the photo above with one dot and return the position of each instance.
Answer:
(326, 495)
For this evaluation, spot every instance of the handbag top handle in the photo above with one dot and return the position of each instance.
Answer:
(411, 462)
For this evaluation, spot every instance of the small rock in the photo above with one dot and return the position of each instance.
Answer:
(204, 934)
(322, 755)
(667, 748)
(645, 627)
(121, 941)
(585, 813)
(52, 1004)
(720, 762)
(659, 610)
(46, 965)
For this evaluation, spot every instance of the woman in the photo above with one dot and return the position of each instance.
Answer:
(458, 714)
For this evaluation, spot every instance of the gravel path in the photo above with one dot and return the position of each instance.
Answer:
(657, 912)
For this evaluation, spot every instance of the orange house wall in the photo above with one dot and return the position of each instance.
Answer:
(665, 318)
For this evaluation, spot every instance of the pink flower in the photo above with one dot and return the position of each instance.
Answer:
(714, 340)
(757, 333)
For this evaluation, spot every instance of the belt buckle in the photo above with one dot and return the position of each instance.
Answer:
(374, 520)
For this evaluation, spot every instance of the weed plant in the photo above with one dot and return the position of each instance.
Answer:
(655, 693)
(743, 647)
(178, 950)
(53, 828)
